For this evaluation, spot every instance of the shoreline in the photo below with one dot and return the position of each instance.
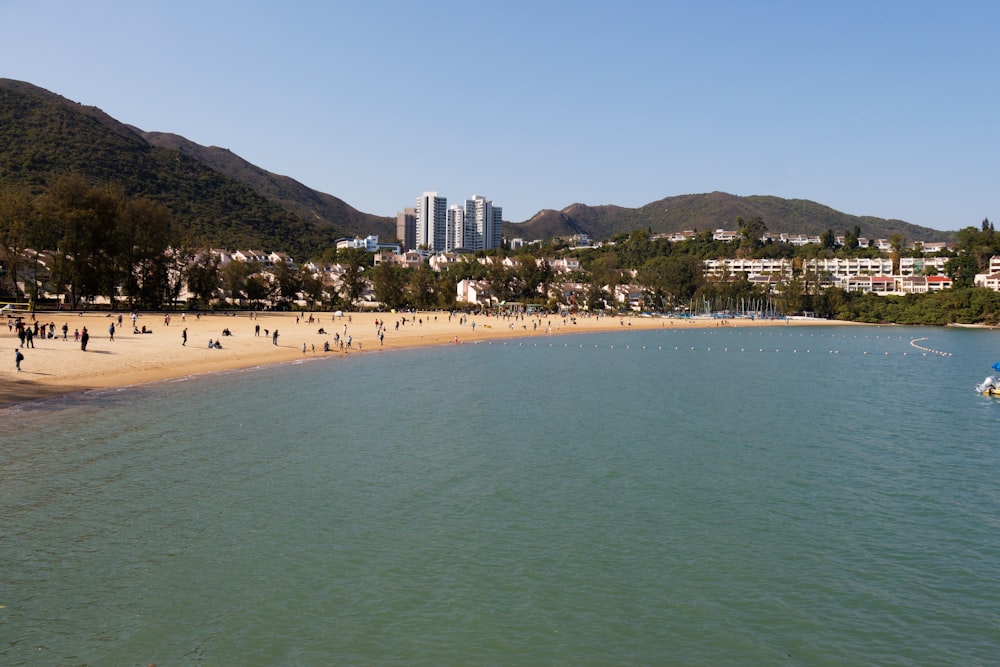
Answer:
(57, 367)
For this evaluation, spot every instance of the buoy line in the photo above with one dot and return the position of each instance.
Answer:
(725, 349)
(913, 343)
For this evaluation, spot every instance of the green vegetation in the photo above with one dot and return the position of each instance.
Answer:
(92, 208)
(43, 137)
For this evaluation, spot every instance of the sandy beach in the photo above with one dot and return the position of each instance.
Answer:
(57, 366)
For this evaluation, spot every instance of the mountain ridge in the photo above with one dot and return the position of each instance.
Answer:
(218, 198)
(711, 211)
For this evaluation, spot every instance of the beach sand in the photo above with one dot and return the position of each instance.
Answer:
(56, 366)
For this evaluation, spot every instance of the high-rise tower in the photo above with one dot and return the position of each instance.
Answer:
(431, 222)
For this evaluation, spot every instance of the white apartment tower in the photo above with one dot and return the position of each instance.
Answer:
(483, 224)
(455, 234)
(432, 222)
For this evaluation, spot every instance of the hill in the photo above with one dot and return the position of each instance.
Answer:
(217, 198)
(305, 202)
(708, 212)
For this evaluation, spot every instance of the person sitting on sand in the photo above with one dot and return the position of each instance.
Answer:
(210, 344)
(217, 345)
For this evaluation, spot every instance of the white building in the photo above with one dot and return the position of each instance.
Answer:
(432, 222)
(915, 266)
(455, 228)
(473, 291)
(440, 228)
(483, 224)
(368, 244)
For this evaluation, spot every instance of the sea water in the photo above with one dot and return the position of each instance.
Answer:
(800, 496)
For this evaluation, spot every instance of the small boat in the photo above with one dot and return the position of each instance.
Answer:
(989, 387)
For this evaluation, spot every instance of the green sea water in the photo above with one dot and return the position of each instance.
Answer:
(783, 496)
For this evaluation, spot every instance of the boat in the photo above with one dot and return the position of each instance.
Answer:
(991, 385)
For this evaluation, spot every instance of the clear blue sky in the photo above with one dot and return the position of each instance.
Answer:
(889, 109)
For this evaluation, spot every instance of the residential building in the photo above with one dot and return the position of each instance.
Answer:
(916, 266)
(455, 228)
(474, 291)
(368, 244)
(406, 228)
(431, 222)
(483, 224)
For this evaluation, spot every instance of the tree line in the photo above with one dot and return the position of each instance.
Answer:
(82, 241)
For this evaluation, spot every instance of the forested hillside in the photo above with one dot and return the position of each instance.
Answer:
(716, 210)
(219, 199)
(43, 136)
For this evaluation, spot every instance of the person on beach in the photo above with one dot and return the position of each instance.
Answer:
(18, 358)
(84, 337)
(184, 336)
(274, 337)
(111, 331)
(65, 330)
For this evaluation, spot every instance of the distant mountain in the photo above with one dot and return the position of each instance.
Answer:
(220, 199)
(708, 212)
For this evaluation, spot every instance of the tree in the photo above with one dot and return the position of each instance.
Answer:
(88, 217)
(312, 287)
(533, 276)
(16, 212)
(684, 276)
(503, 282)
(752, 232)
(286, 282)
(390, 284)
(962, 270)
(420, 287)
(606, 270)
(234, 279)
(852, 237)
(352, 281)
(142, 264)
(202, 276)
(258, 289)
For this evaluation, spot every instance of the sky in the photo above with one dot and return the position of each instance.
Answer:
(889, 109)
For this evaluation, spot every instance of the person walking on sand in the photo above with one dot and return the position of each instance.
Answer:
(84, 337)
(111, 330)
(184, 336)
(274, 337)
(18, 358)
